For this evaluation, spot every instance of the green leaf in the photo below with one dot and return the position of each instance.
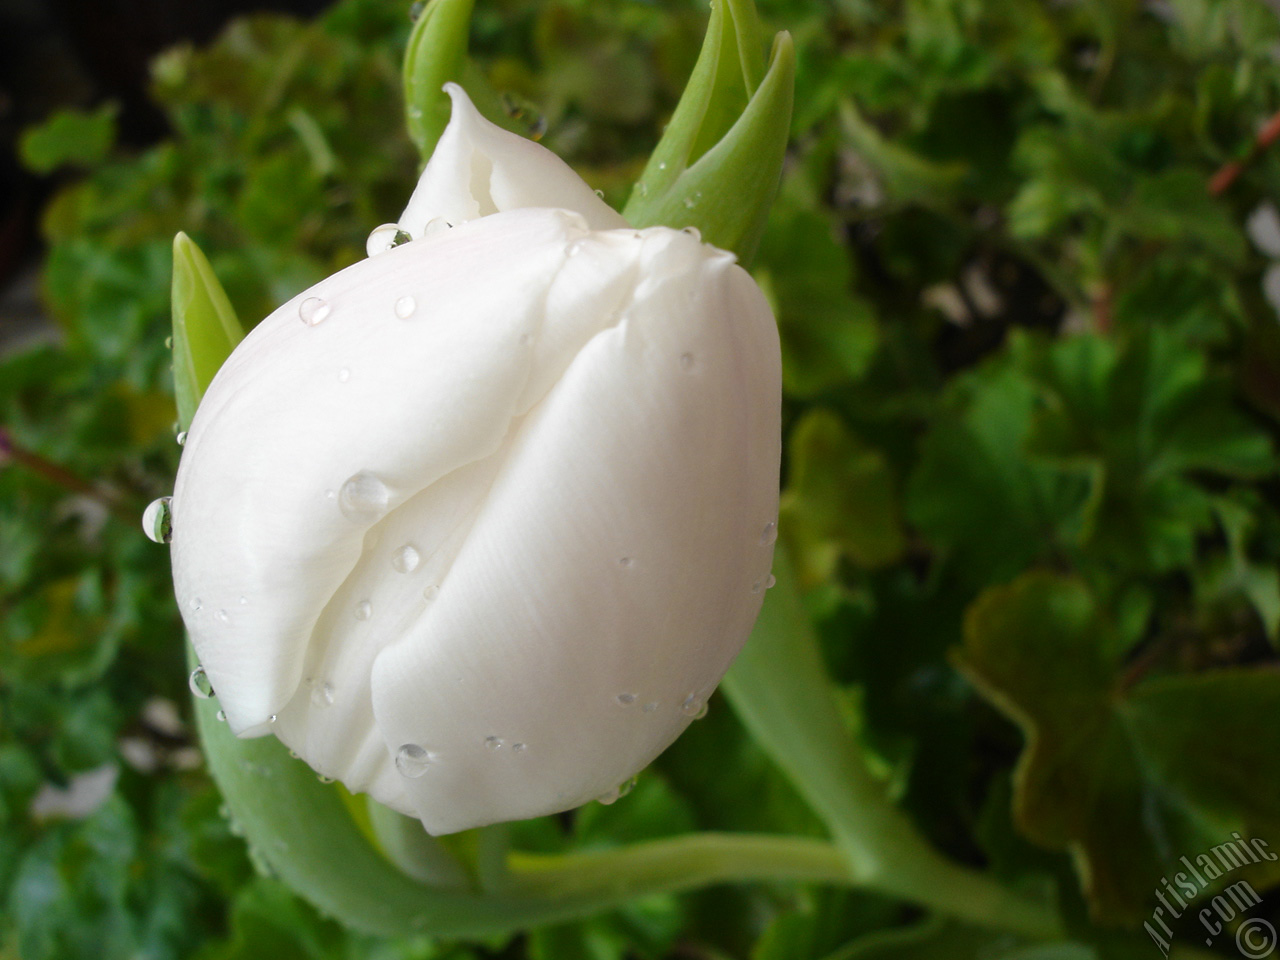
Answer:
(205, 328)
(70, 137)
(842, 500)
(726, 191)
(1127, 779)
(436, 55)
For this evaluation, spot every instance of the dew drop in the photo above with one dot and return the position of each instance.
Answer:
(363, 498)
(769, 534)
(405, 307)
(381, 239)
(651, 706)
(575, 248)
(222, 616)
(694, 706)
(618, 792)
(412, 760)
(625, 561)
(692, 231)
(406, 559)
(197, 603)
(157, 520)
(364, 610)
(626, 699)
(244, 601)
(518, 748)
(271, 719)
(322, 694)
(323, 779)
(168, 343)
(686, 361)
(295, 755)
(770, 581)
(181, 438)
(199, 683)
(436, 225)
(221, 716)
(493, 743)
(430, 593)
(662, 166)
(600, 194)
(313, 311)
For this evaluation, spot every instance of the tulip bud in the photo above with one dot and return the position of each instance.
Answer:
(476, 525)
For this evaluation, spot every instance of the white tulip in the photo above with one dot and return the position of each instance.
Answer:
(477, 525)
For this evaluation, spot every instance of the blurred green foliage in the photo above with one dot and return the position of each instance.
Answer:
(1033, 397)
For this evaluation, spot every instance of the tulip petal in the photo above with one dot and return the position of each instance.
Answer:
(478, 169)
(510, 484)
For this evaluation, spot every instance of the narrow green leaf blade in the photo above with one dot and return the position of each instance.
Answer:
(205, 328)
(436, 55)
(727, 193)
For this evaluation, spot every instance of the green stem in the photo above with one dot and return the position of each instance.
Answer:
(780, 690)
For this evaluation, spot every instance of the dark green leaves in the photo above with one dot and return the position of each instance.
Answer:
(1125, 775)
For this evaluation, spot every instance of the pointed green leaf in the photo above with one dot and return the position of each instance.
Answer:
(727, 192)
(436, 54)
(727, 73)
(205, 328)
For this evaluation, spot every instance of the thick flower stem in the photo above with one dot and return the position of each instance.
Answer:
(780, 690)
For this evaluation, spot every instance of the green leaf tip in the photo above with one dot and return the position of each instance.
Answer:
(436, 55)
(718, 165)
(205, 328)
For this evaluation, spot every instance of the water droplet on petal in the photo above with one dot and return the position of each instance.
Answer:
(493, 743)
(626, 699)
(222, 616)
(199, 683)
(436, 225)
(405, 307)
(412, 760)
(322, 694)
(600, 194)
(686, 361)
(323, 779)
(244, 601)
(294, 754)
(769, 534)
(518, 747)
(157, 520)
(575, 248)
(181, 438)
(662, 166)
(271, 719)
(692, 231)
(770, 581)
(406, 559)
(313, 311)
(430, 593)
(168, 343)
(618, 792)
(221, 716)
(651, 706)
(363, 498)
(364, 610)
(694, 706)
(197, 603)
(625, 561)
(381, 239)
